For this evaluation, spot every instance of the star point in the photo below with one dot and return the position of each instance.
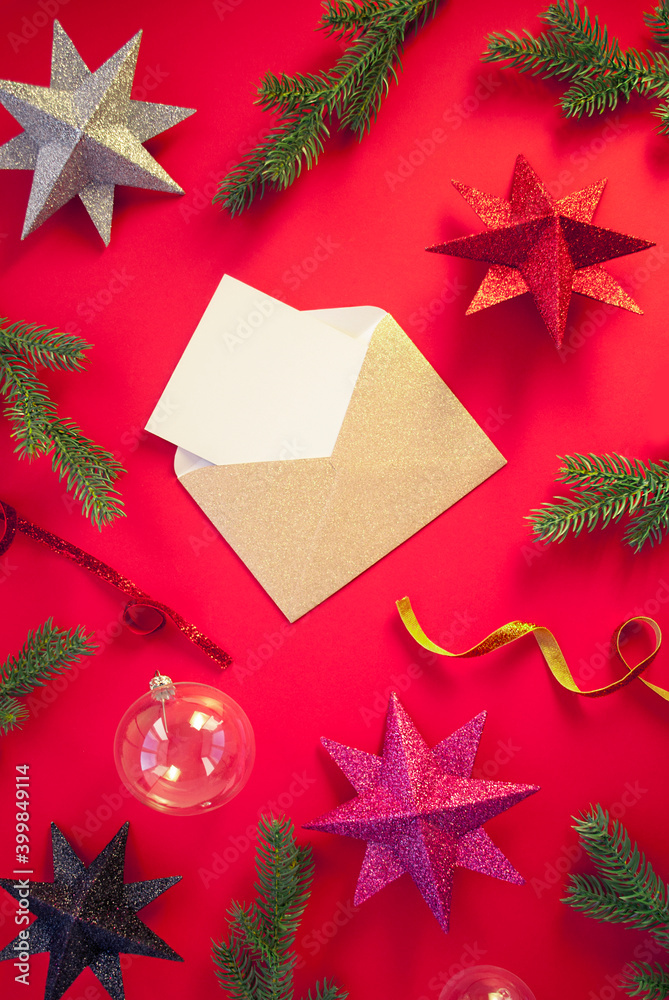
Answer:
(420, 810)
(83, 134)
(87, 916)
(546, 247)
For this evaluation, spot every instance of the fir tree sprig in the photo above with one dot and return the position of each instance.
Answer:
(649, 981)
(579, 48)
(258, 961)
(47, 652)
(605, 489)
(626, 890)
(352, 91)
(39, 346)
(90, 471)
(29, 408)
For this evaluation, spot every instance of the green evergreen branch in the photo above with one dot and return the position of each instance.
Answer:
(301, 144)
(605, 489)
(372, 74)
(585, 35)
(341, 19)
(597, 93)
(28, 406)
(626, 891)
(89, 470)
(353, 91)
(13, 714)
(652, 523)
(291, 93)
(658, 22)
(235, 969)
(43, 347)
(629, 890)
(258, 961)
(595, 898)
(325, 991)
(578, 48)
(653, 981)
(47, 652)
(347, 18)
(545, 55)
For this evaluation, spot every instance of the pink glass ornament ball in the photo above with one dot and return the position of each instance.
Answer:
(184, 748)
(486, 982)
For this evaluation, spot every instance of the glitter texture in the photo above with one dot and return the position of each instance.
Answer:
(139, 609)
(542, 246)
(87, 917)
(420, 810)
(549, 647)
(83, 134)
(407, 450)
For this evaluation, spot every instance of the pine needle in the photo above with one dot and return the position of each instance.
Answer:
(579, 48)
(36, 429)
(88, 469)
(43, 347)
(626, 890)
(651, 982)
(605, 489)
(258, 961)
(352, 91)
(47, 652)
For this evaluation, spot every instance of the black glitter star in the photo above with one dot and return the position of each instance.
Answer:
(87, 916)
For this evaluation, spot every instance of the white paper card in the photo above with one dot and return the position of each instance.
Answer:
(355, 321)
(260, 381)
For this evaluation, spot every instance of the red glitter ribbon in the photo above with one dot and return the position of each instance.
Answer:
(142, 614)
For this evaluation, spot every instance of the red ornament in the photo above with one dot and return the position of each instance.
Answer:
(546, 247)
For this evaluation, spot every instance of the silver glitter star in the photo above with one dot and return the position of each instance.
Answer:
(83, 134)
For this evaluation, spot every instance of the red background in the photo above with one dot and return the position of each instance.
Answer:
(471, 570)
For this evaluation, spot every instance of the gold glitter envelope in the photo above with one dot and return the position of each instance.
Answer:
(406, 451)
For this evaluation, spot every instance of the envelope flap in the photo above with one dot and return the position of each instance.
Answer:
(402, 413)
(407, 451)
(270, 513)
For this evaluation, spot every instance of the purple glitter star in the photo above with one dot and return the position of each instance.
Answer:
(420, 810)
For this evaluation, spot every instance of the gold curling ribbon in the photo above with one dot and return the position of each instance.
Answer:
(549, 647)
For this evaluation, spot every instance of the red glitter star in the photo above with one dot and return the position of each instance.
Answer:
(420, 810)
(546, 247)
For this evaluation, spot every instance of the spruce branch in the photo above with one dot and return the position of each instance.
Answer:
(47, 652)
(325, 991)
(352, 91)
(13, 714)
(605, 489)
(579, 48)
(39, 346)
(258, 961)
(28, 407)
(89, 470)
(593, 897)
(650, 981)
(626, 890)
(658, 22)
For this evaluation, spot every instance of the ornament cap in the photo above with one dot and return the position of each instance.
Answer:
(161, 687)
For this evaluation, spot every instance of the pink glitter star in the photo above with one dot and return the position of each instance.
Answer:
(420, 810)
(542, 246)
